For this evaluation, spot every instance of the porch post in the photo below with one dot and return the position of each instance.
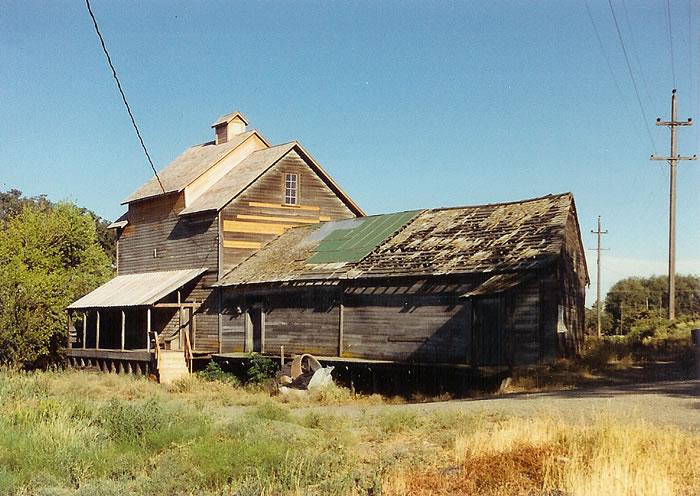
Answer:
(84, 330)
(123, 327)
(69, 323)
(179, 320)
(97, 332)
(148, 329)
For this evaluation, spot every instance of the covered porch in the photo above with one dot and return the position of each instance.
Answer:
(126, 324)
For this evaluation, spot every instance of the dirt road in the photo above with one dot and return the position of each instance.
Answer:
(662, 403)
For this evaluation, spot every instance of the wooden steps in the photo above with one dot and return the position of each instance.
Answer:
(172, 366)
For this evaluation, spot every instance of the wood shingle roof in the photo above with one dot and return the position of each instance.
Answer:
(494, 238)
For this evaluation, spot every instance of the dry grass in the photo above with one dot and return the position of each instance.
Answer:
(105, 434)
(545, 456)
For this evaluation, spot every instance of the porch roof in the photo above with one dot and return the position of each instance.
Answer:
(133, 290)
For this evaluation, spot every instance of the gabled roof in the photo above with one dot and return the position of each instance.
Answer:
(192, 163)
(494, 238)
(242, 175)
(225, 119)
(250, 169)
(136, 289)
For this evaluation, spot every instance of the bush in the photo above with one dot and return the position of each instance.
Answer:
(261, 368)
(214, 373)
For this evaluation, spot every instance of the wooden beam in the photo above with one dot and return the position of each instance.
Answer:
(148, 329)
(294, 220)
(179, 319)
(262, 329)
(97, 331)
(123, 328)
(69, 324)
(245, 245)
(279, 205)
(341, 307)
(254, 227)
(184, 304)
(84, 330)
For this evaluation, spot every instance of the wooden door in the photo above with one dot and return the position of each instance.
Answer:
(489, 338)
(255, 331)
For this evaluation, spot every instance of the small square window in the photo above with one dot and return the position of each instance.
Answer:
(291, 189)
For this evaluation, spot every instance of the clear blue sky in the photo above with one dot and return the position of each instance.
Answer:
(407, 104)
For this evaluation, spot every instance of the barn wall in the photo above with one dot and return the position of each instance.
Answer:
(573, 280)
(180, 243)
(410, 327)
(525, 324)
(304, 322)
(259, 214)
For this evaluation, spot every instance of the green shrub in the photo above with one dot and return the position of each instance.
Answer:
(261, 368)
(214, 373)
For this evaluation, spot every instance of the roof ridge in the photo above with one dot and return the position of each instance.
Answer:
(513, 202)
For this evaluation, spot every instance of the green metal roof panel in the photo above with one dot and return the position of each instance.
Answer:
(355, 243)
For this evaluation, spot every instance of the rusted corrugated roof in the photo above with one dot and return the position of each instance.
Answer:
(192, 163)
(495, 238)
(132, 290)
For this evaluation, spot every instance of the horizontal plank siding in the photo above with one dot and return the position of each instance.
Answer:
(157, 239)
(259, 215)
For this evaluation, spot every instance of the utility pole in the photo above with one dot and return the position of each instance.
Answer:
(672, 160)
(599, 233)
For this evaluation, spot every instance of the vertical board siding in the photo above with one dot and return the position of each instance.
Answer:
(407, 328)
(263, 204)
(526, 323)
(302, 322)
(573, 280)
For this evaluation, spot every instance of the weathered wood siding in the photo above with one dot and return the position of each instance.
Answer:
(525, 324)
(259, 214)
(573, 279)
(179, 243)
(407, 327)
(304, 322)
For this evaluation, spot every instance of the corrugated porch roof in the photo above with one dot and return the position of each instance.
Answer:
(132, 290)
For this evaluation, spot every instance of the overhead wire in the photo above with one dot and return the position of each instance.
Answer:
(670, 40)
(602, 49)
(635, 53)
(121, 92)
(631, 73)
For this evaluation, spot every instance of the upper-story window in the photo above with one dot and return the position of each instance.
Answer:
(291, 189)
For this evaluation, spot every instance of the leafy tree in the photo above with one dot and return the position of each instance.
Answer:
(48, 258)
(637, 298)
(12, 202)
(606, 322)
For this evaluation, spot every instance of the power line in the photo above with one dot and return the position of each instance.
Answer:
(635, 52)
(602, 49)
(670, 40)
(121, 92)
(634, 82)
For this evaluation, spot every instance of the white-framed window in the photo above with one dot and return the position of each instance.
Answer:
(291, 189)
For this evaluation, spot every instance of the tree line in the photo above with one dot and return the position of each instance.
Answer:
(635, 298)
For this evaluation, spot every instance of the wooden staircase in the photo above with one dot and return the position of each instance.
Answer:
(171, 364)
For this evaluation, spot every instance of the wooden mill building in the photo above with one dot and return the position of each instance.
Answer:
(252, 247)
